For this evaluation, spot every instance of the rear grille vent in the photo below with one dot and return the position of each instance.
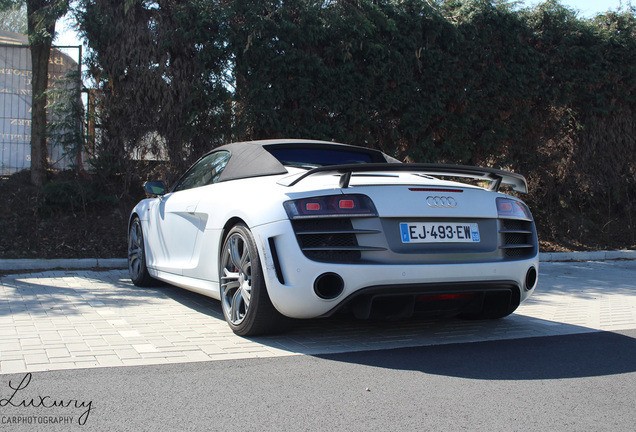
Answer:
(330, 240)
(517, 239)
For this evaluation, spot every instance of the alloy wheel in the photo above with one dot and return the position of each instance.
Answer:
(236, 282)
(135, 250)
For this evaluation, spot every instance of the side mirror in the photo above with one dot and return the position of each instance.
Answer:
(155, 187)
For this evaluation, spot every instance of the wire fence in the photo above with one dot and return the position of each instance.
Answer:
(15, 104)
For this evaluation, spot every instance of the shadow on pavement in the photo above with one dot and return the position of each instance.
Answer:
(555, 357)
(42, 294)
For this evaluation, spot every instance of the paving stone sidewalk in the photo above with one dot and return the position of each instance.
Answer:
(80, 319)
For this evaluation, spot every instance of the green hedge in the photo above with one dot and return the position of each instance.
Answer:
(540, 91)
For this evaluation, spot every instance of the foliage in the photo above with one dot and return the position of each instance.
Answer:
(42, 16)
(536, 90)
(160, 69)
(75, 195)
(13, 17)
(67, 111)
(71, 217)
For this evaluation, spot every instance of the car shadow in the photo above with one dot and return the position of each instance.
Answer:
(42, 293)
(195, 301)
(514, 348)
(554, 357)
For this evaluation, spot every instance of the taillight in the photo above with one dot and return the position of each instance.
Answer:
(353, 205)
(346, 204)
(508, 208)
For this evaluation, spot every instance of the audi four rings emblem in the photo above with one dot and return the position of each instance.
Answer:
(441, 202)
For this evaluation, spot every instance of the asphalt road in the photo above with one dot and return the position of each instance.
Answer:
(567, 383)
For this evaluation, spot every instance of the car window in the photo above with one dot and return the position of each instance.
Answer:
(206, 171)
(316, 157)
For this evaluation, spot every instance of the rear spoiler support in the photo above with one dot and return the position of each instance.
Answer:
(496, 177)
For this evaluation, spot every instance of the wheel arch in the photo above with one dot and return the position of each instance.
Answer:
(227, 227)
(229, 224)
(132, 217)
(140, 276)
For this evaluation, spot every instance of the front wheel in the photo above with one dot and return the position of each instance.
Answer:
(137, 256)
(245, 302)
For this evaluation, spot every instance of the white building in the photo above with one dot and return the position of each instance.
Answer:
(15, 102)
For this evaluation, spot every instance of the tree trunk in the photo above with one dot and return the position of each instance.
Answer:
(39, 152)
(41, 35)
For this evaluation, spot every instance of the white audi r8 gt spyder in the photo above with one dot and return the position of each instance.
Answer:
(305, 229)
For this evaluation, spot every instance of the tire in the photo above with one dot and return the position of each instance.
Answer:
(137, 256)
(244, 299)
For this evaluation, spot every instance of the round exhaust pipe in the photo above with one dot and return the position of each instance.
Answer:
(531, 278)
(328, 286)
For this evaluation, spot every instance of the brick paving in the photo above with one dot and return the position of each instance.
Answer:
(82, 319)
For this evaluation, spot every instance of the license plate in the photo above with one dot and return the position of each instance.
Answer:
(439, 232)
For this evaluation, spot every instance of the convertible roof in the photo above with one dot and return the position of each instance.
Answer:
(251, 159)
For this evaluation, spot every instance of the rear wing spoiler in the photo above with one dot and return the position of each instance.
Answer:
(495, 177)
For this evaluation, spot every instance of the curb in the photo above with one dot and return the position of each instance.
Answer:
(53, 264)
(588, 256)
(122, 263)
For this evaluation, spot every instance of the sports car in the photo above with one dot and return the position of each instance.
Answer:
(306, 229)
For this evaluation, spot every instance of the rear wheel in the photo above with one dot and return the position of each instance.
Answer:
(137, 256)
(245, 302)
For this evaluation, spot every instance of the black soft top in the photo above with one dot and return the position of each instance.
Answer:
(259, 158)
